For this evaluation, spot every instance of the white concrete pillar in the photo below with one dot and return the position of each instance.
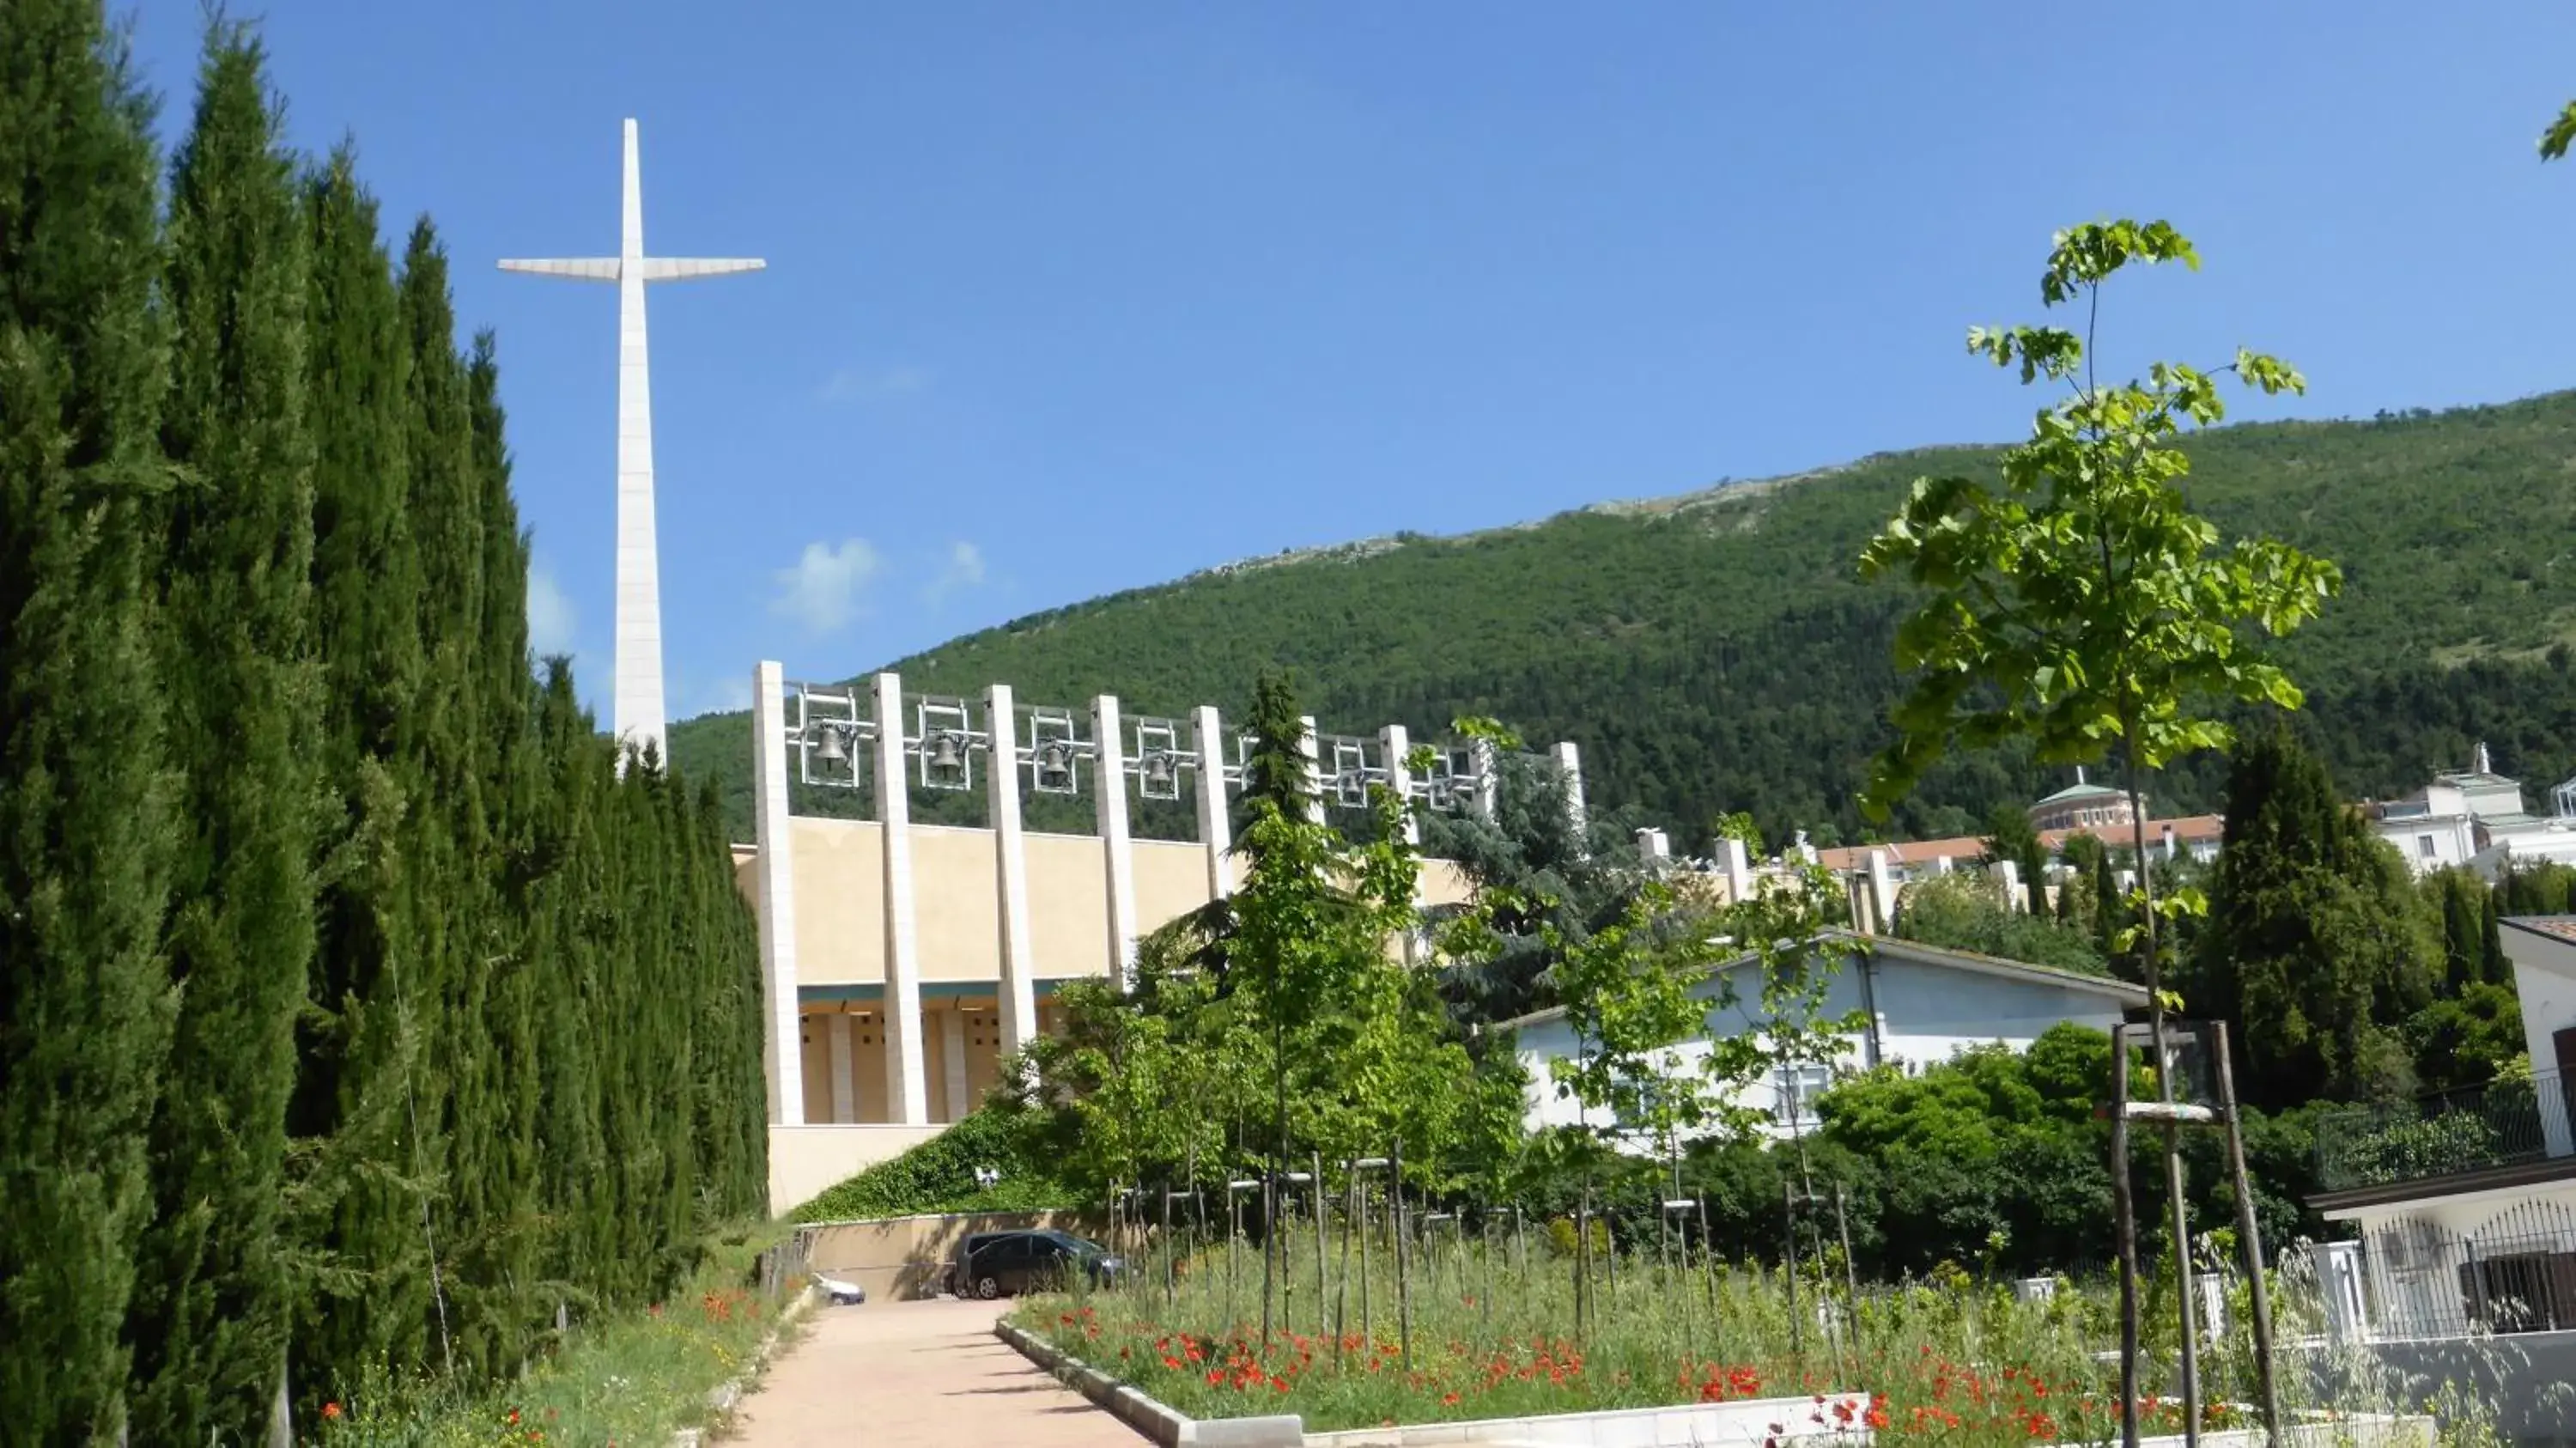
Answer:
(1941, 865)
(1017, 994)
(781, 1037)
(1396, 741)
(1882, 890)
(907, 1099)
(1739, 869)
(1216, 830)
(1311, 746)
(845, 1106)
(1109, 792)
(2339, 1282)
(1569, 762)
(952, 1060)
(2010, 874)
(1486, 761)
(2169, 842)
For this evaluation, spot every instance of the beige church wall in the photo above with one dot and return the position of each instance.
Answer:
(956, 903)
(867, 1064)
(983, 1048)
(1171, 881)
(934, 1061)
(818, 1068)
(1443, 883)
(840, 883)
(1068, 905)
(868, 1098)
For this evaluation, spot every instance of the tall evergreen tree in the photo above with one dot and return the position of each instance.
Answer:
(398, 885)
(2493, 967)
(2316, 944)
(210, 1337)
(356, 1189)
(2463, 923)
(2010, 836)
(449, 906)
(85, 817)
(2109, 916)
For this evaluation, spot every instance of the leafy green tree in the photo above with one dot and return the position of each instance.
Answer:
(1630, 999)
(2554, 141)
(2468, 1039)
(86, 817)
(1964, 911)
(2082, 606)
(1643, 994)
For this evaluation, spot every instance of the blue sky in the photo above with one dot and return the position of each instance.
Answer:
(1064, 299)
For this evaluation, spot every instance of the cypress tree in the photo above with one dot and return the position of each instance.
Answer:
(509, 762)
(565, 898)
(210, 1337)
(85, 817)
(449, 910)
(2493, 966)
(2107, 911)
(2462, 923)
(2314, 947)
(357, 1188)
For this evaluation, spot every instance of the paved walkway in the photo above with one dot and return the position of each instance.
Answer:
(895, 1374)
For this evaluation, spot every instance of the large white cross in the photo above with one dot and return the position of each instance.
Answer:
(637, 717)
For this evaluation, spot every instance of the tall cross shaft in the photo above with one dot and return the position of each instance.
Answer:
(637, 714)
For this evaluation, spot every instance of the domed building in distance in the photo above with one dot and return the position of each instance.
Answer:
(2082, 806)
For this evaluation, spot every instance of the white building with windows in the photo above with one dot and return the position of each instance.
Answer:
(1921, 1005)
(2475, 818)
(2462, 1210)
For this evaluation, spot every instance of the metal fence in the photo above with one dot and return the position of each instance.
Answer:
(2516, 1273)
(784, 1267)
(2503, 1123)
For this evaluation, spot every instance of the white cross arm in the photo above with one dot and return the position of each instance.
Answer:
(686, 268)
(585, 269)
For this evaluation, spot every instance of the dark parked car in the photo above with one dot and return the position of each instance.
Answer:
(989, 1264)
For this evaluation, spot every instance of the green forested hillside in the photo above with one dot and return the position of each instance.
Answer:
(1716, 652)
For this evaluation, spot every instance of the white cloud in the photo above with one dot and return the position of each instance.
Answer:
(823, 590)
(552, 625)
(875, 384)
(963, 569)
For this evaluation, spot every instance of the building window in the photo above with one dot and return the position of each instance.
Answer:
(1798, 1087)
(1634, 1100)
(2424, 846)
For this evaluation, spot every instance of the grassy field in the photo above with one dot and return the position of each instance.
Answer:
(619, 1383)
(1491, 1331)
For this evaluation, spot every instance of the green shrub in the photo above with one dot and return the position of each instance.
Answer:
(939, 1175)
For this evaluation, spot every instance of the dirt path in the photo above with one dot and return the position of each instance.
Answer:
(902, 1373)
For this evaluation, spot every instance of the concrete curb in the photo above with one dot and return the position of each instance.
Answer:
(724, 1397)
(1147, 1416)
